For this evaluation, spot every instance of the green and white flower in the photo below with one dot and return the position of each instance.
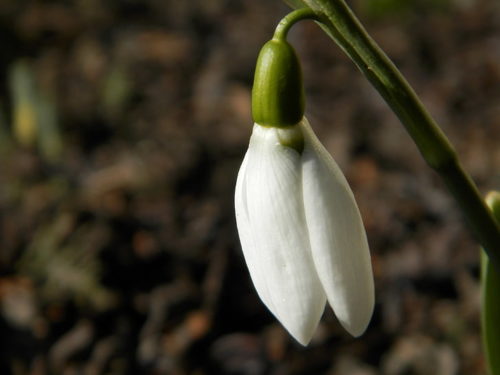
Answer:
(300, 228)
(301, 232)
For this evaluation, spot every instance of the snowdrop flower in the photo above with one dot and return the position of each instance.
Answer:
(300, 229)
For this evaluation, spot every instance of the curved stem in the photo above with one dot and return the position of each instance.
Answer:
(343, 26)
(291, 18)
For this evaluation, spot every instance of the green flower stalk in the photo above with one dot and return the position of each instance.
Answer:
(490, 300)
(345, 29)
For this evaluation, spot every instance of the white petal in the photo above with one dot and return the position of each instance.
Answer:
(245, 230)
(338, 239)
(273, 233)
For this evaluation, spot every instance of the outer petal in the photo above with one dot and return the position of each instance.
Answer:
(250, 249)
(338, 239)
(273, 233)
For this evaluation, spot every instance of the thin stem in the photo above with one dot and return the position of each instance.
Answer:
(343, 26)
(490, 300)
(291, 18)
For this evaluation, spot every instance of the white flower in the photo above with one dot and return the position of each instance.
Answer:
(301, 232)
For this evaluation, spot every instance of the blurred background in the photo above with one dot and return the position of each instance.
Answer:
(122, 128)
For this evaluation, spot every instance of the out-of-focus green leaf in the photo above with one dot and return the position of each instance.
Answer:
(22, 88)
(117, 89)
(490, 298)
(34, 113)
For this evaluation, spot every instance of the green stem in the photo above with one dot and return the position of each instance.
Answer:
(291, 18)
(343, 26)
(490, 300)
